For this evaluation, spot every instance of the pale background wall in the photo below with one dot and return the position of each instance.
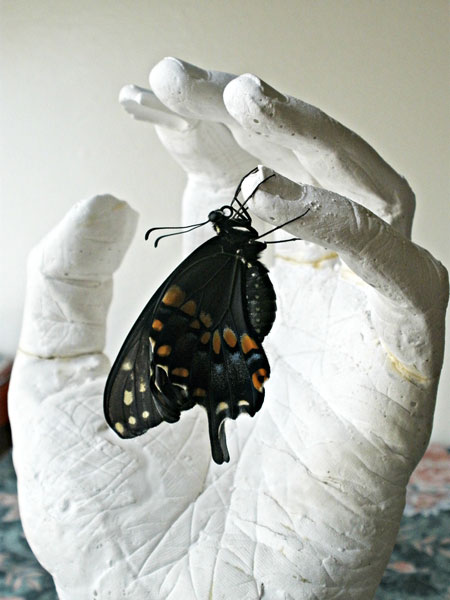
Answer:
(380, 67)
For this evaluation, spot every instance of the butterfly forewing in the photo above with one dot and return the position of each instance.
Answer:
(130, 406)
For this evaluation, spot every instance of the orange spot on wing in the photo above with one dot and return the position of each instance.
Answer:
(174, 296)
(199, 392)
(259, 378)
(164, 350)
(180, 371)
(205, 318)
(189, 307)
(195, 324)
(248, 343)
(157, 325)
(205, 337)
(216, 342)
(230, 337)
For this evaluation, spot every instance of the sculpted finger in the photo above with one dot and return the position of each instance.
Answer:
(143, 105)
(406, 286)
(190, 91)
(206, 151)
(198, 94)
(69, 283)
(335, 157)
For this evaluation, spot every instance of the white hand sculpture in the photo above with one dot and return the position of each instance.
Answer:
(310, 503)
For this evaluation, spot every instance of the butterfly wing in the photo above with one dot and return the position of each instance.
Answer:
(194, 343)
(133, 399)
(238, 367)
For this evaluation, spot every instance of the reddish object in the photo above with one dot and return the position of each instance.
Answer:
(5, 374)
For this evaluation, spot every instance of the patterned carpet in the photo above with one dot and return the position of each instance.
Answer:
(419, 567)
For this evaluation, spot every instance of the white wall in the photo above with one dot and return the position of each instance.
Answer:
(379, 67)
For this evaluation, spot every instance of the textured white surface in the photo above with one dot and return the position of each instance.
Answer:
(381, 68)
(310, 503)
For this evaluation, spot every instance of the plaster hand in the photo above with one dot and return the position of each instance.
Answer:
(310, 503)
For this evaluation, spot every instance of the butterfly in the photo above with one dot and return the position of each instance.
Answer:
(199, 338)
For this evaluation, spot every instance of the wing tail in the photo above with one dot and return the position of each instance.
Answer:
(217, 437)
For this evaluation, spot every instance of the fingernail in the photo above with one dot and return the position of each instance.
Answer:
(188, 68)
(265, 88)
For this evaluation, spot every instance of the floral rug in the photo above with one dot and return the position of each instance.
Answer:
(419, 567)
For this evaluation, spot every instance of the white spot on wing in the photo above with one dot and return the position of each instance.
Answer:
(221, 407)
(127, 397)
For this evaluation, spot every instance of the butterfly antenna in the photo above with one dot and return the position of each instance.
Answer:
(242, 210)
(243, 204)
(282, 241)
(176, 227)
(177, 232)
(238, 189)
(283, 225)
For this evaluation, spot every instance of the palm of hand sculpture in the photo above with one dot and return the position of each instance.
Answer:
(310, 503)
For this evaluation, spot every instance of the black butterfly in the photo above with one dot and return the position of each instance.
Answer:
(199, 338)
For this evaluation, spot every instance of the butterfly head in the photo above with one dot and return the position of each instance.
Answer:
(228, 221)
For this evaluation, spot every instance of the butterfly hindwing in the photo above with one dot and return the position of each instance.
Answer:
(208, 346)
(238, 369)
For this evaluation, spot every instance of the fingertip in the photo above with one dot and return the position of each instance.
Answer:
(248, 99)
(133, 99)
(103, 216)
(69, 285)
(268, 181)
(90, 241)
(143, 105)
(254, 88)
(169, 78)
(128, 93)
(189, 90)
(255, 180)
(173, 66)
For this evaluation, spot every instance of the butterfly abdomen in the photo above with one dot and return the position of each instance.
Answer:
(260, 298)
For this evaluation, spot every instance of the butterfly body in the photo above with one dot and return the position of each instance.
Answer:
(198, 339)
